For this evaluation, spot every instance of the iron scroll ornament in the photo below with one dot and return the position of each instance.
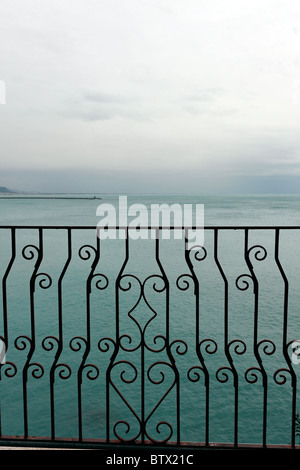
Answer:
(145, 422)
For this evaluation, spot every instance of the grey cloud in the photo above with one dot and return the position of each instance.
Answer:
(106, 113)
(97, 106)
(206, 101)
(194, 109)
(206, 95)
(225, 111)
(93, 115)
(203, 97)
(100, 97)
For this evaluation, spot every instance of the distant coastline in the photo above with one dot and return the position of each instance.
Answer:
(5, 190)
(48, 197)
(6, 193)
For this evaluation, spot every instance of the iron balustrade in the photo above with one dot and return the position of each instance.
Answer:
(162, 347)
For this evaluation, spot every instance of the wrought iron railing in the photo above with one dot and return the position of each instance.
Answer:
(150, 342)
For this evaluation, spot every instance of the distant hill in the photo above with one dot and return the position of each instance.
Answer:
(5, 190)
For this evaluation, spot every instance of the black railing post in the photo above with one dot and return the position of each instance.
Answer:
(226, 340)
(202, 368)
(284, 338)
(256, 342)
(30, 256)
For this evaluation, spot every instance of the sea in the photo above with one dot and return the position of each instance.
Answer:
(142, 338)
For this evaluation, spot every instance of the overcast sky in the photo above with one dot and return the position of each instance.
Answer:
(150, 95)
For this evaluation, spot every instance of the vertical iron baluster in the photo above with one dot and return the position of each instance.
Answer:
(284, 336)
(4, 290)
(4, 298)
(255, 337)
(226, 342)
(88, 335)
(168, 348)
(143, 424)
(117, 341)
(60, 333)
(32, 328)
(197, 335)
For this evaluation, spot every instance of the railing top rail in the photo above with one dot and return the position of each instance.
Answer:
(119, 227)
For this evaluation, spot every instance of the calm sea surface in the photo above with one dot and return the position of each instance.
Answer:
(142, 361)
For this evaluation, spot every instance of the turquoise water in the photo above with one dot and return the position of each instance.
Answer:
(160, 393)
